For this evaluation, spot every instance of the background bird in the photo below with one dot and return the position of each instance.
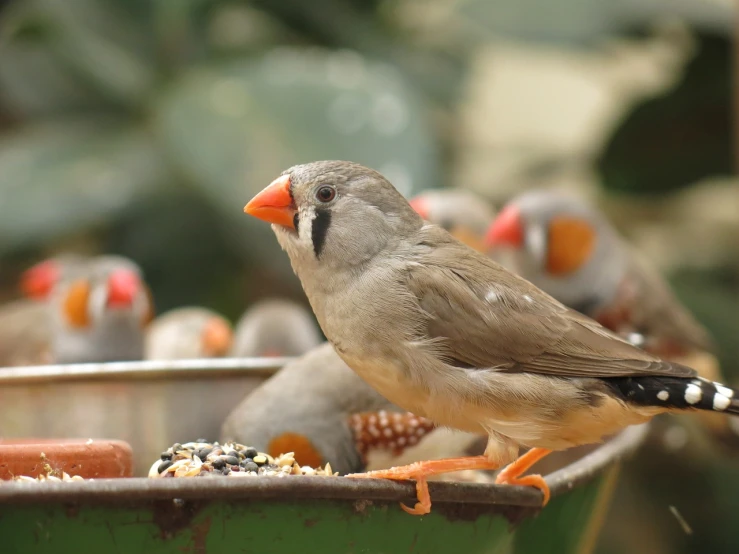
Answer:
(188, 333)
(25, 323)
(449, 334)
(101, 315)
(275, 327)
(318, 408)
(466, 215)
(38, 281)
(570, 250)
(91, 310)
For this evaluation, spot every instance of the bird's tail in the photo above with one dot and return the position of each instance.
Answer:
(677, 393)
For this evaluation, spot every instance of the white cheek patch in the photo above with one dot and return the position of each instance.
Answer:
(536, 243)
(305, 225)
(98, 300)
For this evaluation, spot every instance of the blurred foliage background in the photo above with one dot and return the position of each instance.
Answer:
(142, 128)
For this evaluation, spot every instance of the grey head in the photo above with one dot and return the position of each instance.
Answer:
(99, 313)
(466, 215)
(188, 333)
(275, 327)
(562, 245)
(346, 214)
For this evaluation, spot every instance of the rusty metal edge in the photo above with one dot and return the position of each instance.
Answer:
(326, 488)
(165, 369)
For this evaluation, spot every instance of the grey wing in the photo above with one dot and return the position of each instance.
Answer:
(658, 313)
(483, 316)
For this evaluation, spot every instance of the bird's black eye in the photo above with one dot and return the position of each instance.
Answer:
(326, 193)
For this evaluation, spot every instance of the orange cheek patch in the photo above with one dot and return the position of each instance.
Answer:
(150, 311)
(569, 246)
(394, 431)
(216, 338)
(75, 304)
(465, 236)
(305, 453)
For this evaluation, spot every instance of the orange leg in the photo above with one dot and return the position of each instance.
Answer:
(511, 474)
(420, 470)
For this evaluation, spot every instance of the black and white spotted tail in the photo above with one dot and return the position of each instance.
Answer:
(676, 393)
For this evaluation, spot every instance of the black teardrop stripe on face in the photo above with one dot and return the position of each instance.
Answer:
(675, 392)
(319, 228)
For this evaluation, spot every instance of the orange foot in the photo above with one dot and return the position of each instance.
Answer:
(511, 474)
(420, 471)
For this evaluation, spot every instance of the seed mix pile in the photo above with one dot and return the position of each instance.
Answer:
(205, 459)
(49, 477)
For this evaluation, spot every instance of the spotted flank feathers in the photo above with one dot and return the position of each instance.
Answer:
(673, 392)
(393, 431)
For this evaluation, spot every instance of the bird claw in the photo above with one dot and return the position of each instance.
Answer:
(536, 481)
(403, 473)
(423, 506)
(419, 471)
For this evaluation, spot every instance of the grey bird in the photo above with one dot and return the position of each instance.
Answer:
(54, 317)
(188, 333)
(570, 250)
(100, 313)
(466, 215)
(449, 334)
(24, 323)
(318, 408)
(275, 327)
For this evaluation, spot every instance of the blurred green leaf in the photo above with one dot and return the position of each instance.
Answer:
(580, 22)
(32, 81)
(671, 141)
(712, 296)
(567, 21)
(232, 129)
(356, 25)
(86, 43)
(235, 127)
(63, 176)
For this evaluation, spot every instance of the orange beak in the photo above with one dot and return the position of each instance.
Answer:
(274, 204)
(420, 205)
(216, 337)
(507, 229)
(38, 281)
(123, 286)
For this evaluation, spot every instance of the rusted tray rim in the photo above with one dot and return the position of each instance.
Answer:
(328, 488)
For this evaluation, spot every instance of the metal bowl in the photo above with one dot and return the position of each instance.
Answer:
(312, 514)
(150, 405)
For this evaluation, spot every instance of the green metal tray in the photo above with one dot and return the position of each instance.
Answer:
(311, 514)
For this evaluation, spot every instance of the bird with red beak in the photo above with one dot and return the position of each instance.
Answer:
(463, 213)
(188, 333)
(100, 313)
